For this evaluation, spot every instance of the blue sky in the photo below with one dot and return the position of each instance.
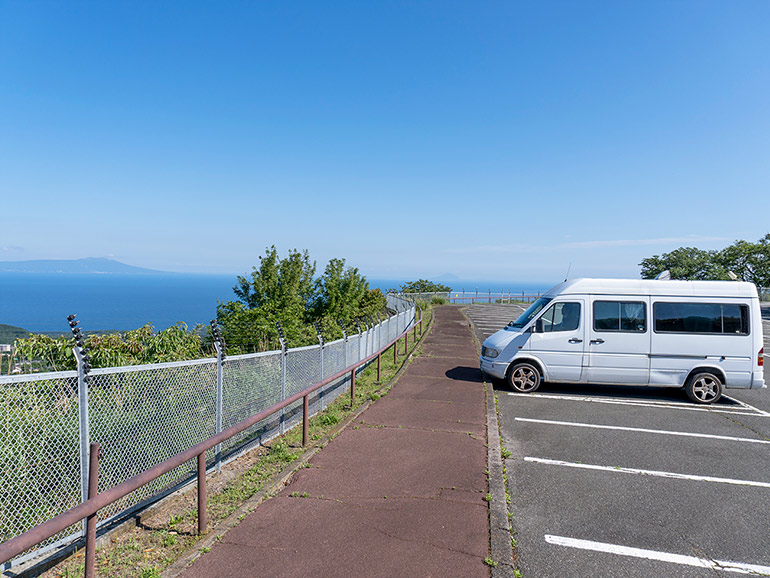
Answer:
(491, 140)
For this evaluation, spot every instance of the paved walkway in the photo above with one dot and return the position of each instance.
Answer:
(400, 492)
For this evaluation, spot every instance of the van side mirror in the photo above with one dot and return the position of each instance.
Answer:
(539, 326)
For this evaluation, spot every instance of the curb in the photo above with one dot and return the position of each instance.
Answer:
(277, 483)
(499, 528)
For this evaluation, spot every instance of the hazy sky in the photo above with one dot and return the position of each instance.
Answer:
(491, 140)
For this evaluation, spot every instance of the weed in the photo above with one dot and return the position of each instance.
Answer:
(505, 453)
(516, 573)
(489, 562)
(280, 451)
(174, 520)
(329, 418)
(151, 572)
(205, 550)
(488, 497)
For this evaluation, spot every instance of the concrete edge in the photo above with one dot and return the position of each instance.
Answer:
(501, 551)
(277, 482)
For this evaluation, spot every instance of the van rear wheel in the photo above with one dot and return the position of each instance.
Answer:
(704, 387)
(524, 377)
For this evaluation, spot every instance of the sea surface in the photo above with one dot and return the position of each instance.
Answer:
(102, 302)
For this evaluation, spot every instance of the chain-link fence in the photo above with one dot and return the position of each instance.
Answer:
(143, 415)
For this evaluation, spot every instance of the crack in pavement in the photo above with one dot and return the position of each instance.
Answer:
(426, 542)
(743, 425)
(417, 428)
(437, 498)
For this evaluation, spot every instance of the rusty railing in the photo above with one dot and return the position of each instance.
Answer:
(87, 511)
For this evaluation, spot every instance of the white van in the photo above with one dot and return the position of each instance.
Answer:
(700, 335)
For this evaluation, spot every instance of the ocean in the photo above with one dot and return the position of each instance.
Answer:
(41, 301)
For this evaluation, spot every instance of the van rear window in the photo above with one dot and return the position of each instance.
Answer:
(728, 318)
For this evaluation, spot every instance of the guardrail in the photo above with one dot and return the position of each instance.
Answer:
(87, 511)
(145, 414)
(488, 296)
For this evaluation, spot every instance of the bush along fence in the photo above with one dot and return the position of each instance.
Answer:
(136, 425)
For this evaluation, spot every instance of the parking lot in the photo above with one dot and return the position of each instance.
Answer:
(624, 481)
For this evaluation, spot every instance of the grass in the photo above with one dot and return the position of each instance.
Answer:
(147, 551)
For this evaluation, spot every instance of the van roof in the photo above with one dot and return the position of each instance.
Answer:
(655, 287)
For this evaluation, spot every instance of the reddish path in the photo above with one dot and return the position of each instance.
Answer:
(401, 495)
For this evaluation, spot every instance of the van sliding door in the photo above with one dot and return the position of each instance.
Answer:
(619, 341)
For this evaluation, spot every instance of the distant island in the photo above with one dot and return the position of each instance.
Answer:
(89, 265)
(10, 333)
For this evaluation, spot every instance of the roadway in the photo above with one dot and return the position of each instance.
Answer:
(623, 481)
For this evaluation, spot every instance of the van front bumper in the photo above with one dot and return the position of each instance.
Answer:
(494, 368)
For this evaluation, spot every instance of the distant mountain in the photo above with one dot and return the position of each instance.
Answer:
(90, 265)
(9, 333)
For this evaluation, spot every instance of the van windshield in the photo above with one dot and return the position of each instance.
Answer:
(530, 313)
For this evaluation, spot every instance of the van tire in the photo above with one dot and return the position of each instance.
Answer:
(704, 387)
(524, 377)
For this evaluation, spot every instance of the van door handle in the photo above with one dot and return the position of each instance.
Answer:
(597, 341)
(575, 340)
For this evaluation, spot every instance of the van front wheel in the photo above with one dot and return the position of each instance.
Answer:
(704, 388)
(524, 377)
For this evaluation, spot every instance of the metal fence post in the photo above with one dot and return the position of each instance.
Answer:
(221, 347)
(283, 375)
(220, 402)
(83, 366)
(85, 437)
(321, 353)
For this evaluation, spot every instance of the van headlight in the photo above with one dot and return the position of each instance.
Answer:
(489, 352)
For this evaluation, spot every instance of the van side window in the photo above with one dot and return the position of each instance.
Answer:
(561, 317)
(731, 318)
(620, 316)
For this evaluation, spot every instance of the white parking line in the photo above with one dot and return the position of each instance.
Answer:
(655, 473)
(725, 565)
(643, 430)
(642, 403)
(746, 405)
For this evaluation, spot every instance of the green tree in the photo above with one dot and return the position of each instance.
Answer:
(280, 290)
(424, 286)
(685, 263)
(343, 294)
(284, 290)
(750, 261)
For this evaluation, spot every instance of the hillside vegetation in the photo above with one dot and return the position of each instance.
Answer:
(10, 333)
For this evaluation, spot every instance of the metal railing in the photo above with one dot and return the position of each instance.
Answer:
(150, 421)
(477, 296)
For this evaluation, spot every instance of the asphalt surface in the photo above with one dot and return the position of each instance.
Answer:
(400, 492)
(664, 488)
